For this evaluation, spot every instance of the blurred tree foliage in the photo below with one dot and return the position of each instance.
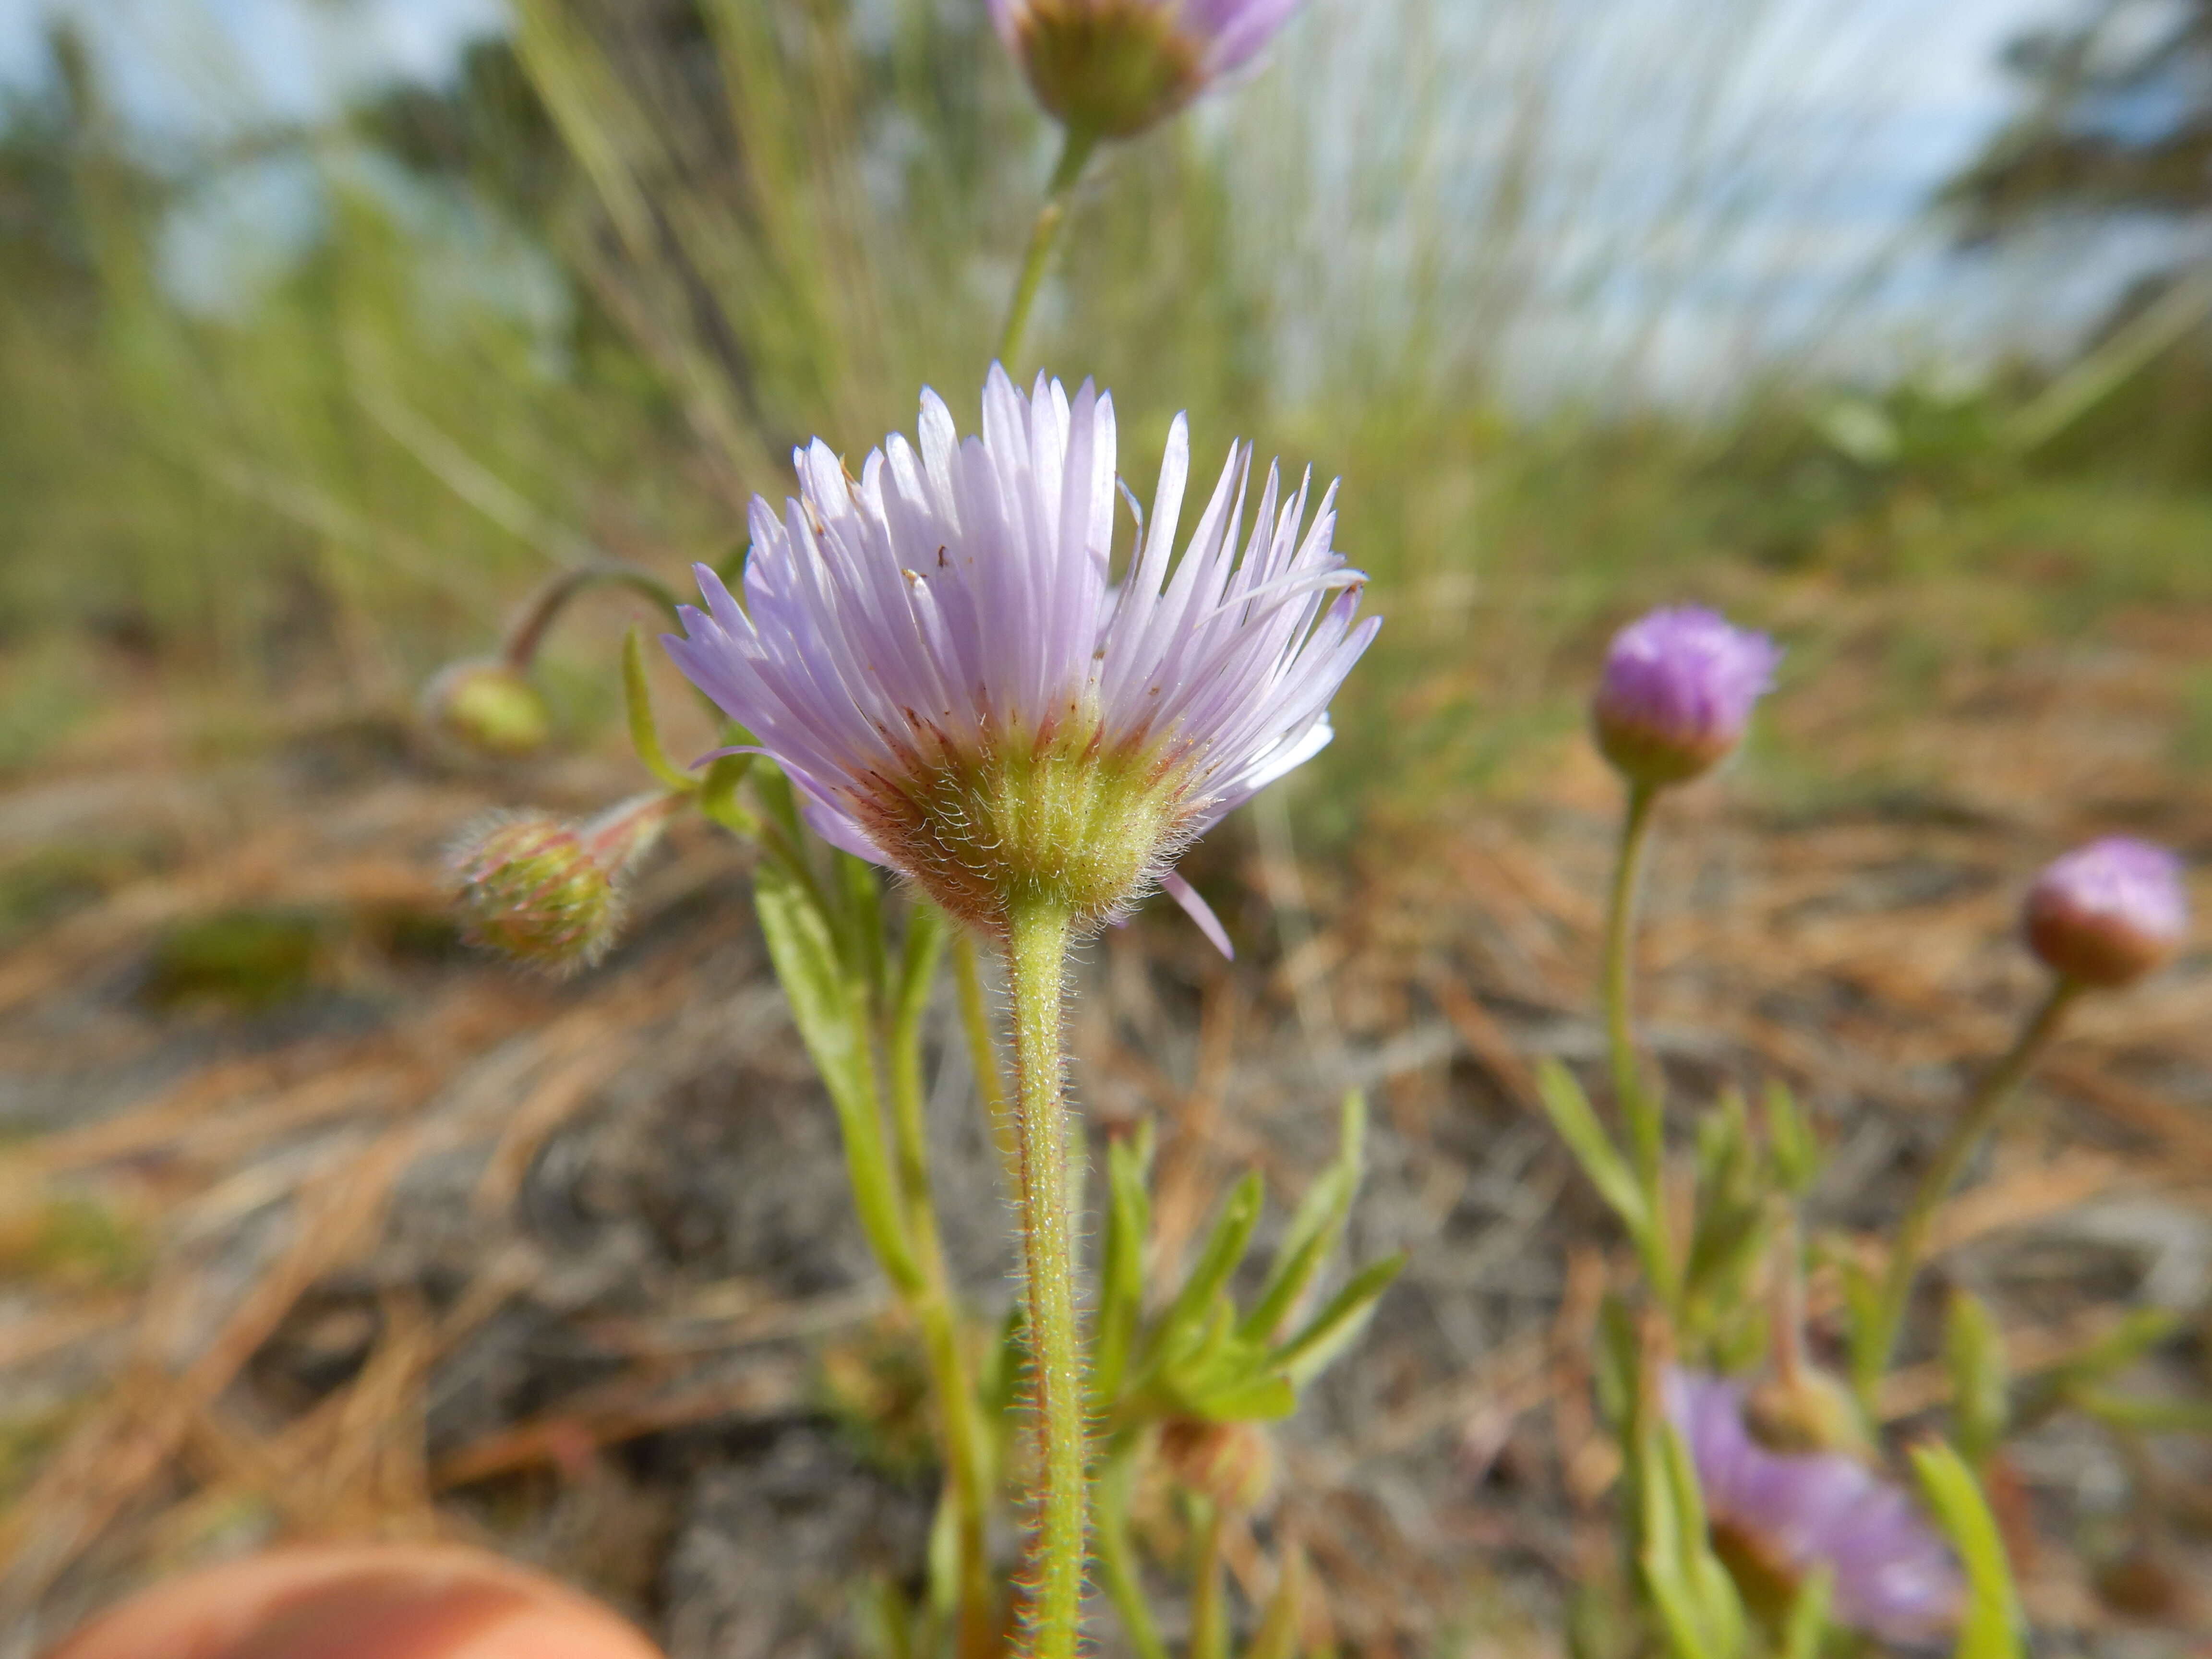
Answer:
(2116, 118)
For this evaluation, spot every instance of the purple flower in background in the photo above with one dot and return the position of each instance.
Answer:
(1111, 67)
(1676, 692)
(1778, 1515)
(2109, 912)
(936, 657)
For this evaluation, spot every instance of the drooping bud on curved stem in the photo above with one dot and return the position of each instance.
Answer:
(548, 893)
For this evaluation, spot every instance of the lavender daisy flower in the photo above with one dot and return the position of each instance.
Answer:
(1778, 1515)
(2109, 912)
(1112, 68)
(1677, 692)
(936, 657)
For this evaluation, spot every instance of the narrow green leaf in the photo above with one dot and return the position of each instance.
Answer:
(1217, 1260)
(1277, 1637)
(1790, 1145)
(1121, 1263)
(1316, 1229)
(1974, 1349)
(1990, 1627)
(1306, 1355)
(644, 734)
(1569, 1110)
(2142, 1416)
(1808, 1620)
(835, 1029)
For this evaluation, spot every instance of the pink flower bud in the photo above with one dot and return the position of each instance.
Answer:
(1676, 692)
(2109, 912)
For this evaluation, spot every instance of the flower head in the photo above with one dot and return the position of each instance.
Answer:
(1776, 1516)
(488, 706)
(1677, 692)
(2109, 912)
(1111, 67)
(936, 656)
(547, 893)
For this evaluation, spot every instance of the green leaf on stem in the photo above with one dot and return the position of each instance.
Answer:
(1791, 1149)
(1122, 1262)
(834, 1026)
(1990, 1626)
(1316, 1229)
(1571, 1114)
(1974, 1350)
(1306, 1355)
(1807, 1622)
(644, 733)
(1217, 1260)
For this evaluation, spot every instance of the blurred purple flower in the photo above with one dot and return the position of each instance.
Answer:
(1780, 1514)
(935, 656)
(2109, 912)
(1676, 691)
(1115, 67)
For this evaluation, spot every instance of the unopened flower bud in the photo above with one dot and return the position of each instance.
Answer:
(1808, 1411)
(488, 706)
(1112, 68)
(2109, 912)
(1232, 1465)
(1676, 692)
(548, 893)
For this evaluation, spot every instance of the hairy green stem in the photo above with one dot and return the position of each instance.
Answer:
(1871, 1354)
(1036, 956)
(936, 1311)
(1074, 151)
(1640, 1107)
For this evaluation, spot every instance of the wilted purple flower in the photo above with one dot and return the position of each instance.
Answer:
(935, 655)
(2109, 912)
(1778, 1516)
(1676, 692)
(1111, 67)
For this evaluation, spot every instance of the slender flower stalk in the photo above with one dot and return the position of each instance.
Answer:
(936, 1308)
(933, 656)
(1676, 691)
(1044, 236)
(1982, 1109)
(2101, 917)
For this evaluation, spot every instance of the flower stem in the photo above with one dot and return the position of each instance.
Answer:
(1209, 1614)
(538, 612)
(1641, 1109)
(1118, 1565)
(1982, 1109)
(1037, 955)
(983, 1055)
(936, 1311)
(1074, 151)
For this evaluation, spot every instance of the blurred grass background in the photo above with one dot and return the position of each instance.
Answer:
(1591, 302)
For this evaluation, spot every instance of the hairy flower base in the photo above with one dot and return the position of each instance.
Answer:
(1055, 825)
(1109, 67)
